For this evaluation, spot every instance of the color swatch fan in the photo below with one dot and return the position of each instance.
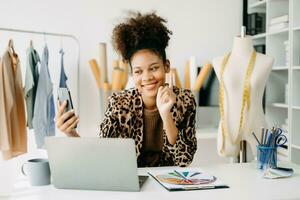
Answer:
(186, 178)
(180, 180)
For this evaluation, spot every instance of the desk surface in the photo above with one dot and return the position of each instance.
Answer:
(244, 180)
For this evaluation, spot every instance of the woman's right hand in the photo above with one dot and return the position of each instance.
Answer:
(66, 122)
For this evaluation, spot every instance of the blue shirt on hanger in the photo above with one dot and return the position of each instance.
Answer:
(44, 110)
(63, 76)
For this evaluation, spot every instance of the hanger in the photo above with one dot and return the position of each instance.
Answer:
(45, 39)
(61, 42)
(31, 44)
(11, 46)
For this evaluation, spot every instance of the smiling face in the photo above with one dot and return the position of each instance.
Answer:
(148, 72)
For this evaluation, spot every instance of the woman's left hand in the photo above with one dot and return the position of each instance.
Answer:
(165, 98)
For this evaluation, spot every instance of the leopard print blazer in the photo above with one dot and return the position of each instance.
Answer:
(124, 118)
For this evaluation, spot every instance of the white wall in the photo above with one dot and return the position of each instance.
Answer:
(203, 28)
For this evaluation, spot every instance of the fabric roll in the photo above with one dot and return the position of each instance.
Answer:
(103, 61)
(193, 70)
(96, 72)
(187, 78)
(124, 66)
(202, 76)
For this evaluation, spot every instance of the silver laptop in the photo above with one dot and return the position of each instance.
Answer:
(93, 163)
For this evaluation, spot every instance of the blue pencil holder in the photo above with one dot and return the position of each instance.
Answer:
(266, 157)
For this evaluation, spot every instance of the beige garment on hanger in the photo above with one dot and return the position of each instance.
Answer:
(13, 136)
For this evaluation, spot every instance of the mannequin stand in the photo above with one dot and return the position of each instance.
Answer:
(242, 157)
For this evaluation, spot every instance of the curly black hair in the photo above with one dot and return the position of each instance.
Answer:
(141, 31)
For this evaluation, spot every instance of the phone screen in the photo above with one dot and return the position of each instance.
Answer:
(65, 95)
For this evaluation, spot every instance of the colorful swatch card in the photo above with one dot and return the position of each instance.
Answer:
(176, 180)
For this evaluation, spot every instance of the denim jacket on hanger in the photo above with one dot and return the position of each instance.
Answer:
(44, 110)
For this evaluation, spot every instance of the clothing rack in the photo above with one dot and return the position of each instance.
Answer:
(56, 35)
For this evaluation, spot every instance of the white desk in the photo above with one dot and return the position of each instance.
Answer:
(244, 180)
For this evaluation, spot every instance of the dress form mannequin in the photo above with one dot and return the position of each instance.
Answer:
(233, 79)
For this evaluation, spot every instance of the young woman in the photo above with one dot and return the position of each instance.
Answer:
(158, 116)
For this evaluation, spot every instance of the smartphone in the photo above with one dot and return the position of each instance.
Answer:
(64, 94)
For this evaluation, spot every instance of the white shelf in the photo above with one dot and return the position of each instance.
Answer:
(296, 28)
(295, 146)
(294, 93)
(283, 78)
(279, 105)
(296, 67)
(259, 36)
(280, 68)
(258, 4)
(296, 107)
(279, 32)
